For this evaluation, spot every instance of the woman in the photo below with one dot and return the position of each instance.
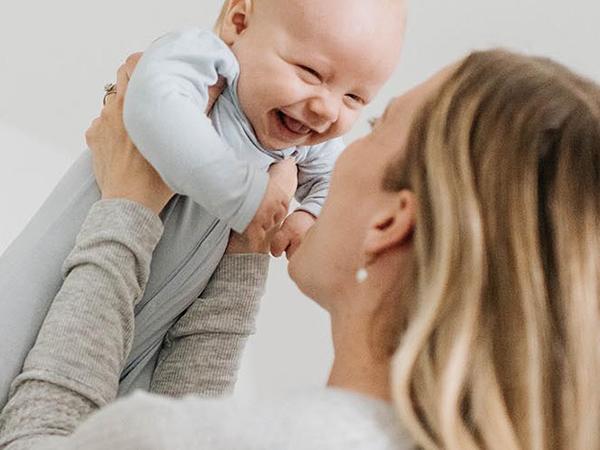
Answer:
(463, 290)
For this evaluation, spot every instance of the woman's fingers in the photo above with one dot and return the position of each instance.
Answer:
(132, 61)
(122, 80)
(120, 170)
(213, 93)
(124, 73)
(91, 132)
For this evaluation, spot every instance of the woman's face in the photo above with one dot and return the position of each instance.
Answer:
(324, 266)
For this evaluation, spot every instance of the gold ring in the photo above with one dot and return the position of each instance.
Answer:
(109, 89)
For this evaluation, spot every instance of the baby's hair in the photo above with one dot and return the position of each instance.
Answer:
(225, 7)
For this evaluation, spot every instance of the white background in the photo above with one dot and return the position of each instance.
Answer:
(55, 57)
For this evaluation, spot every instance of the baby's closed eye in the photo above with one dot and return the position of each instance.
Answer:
(356, 99)
(311, 75)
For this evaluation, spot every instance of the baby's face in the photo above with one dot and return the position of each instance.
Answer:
(308, 67)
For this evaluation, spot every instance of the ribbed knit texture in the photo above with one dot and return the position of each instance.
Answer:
(202, 351)
(75, 364)
(74, 367)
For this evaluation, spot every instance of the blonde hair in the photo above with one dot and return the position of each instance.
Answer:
(221, 18)
(502, 347)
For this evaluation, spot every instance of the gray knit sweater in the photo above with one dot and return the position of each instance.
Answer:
(73, 369)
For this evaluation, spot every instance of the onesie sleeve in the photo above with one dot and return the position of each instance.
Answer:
(164, 115)
(314, 174)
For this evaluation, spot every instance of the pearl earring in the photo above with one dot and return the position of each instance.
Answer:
(361, 275)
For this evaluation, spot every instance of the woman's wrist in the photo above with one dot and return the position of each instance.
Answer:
(128, 216)
(240, 244)
(243, 272)
(155, 203)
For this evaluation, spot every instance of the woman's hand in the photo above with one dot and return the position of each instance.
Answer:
(285, 174)
(120, 170)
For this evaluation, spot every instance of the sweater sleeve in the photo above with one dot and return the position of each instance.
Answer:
(164, 116)
(314, 174)
(201, 353)
(75, 364)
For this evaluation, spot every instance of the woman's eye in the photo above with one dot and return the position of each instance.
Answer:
(311, 72)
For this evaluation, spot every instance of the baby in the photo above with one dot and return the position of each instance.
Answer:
(298, 74)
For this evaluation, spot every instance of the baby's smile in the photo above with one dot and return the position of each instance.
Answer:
(292, 124)
(284, 128)
(306, 71)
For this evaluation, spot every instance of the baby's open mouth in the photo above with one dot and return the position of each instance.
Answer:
(295, 126)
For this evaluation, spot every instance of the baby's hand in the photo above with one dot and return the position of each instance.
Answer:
(289, 237)
(283, 179)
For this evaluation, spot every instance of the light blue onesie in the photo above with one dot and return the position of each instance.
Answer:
(216, 165)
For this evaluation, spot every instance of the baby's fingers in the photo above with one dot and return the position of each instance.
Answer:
(279, 243)
(292, 247)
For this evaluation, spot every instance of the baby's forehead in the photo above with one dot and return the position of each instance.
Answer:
(363, 34)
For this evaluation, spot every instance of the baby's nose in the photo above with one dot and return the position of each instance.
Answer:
(325, 111)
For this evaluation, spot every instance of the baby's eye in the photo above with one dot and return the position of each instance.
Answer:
(312, 72)
(356, 99)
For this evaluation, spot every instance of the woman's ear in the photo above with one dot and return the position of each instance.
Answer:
(235, 20)
(394, 226)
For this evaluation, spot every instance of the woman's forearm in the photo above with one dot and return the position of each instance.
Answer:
(202, 351)
(75, 364)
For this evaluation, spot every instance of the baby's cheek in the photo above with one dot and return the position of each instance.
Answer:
(288, 90)
(349, 119)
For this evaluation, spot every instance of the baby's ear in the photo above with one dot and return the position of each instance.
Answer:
(393, 226)
(235, 20)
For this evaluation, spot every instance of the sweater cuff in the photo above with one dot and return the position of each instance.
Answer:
(242, 268)
(122, 215)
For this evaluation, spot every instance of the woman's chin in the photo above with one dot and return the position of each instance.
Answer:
(302, 276)
(295, 271)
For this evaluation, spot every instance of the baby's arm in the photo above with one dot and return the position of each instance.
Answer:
(164, 116)
(314, 174)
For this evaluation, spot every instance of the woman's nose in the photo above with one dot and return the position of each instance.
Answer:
(325, 110)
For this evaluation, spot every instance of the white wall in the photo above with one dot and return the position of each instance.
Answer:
(55, 57)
